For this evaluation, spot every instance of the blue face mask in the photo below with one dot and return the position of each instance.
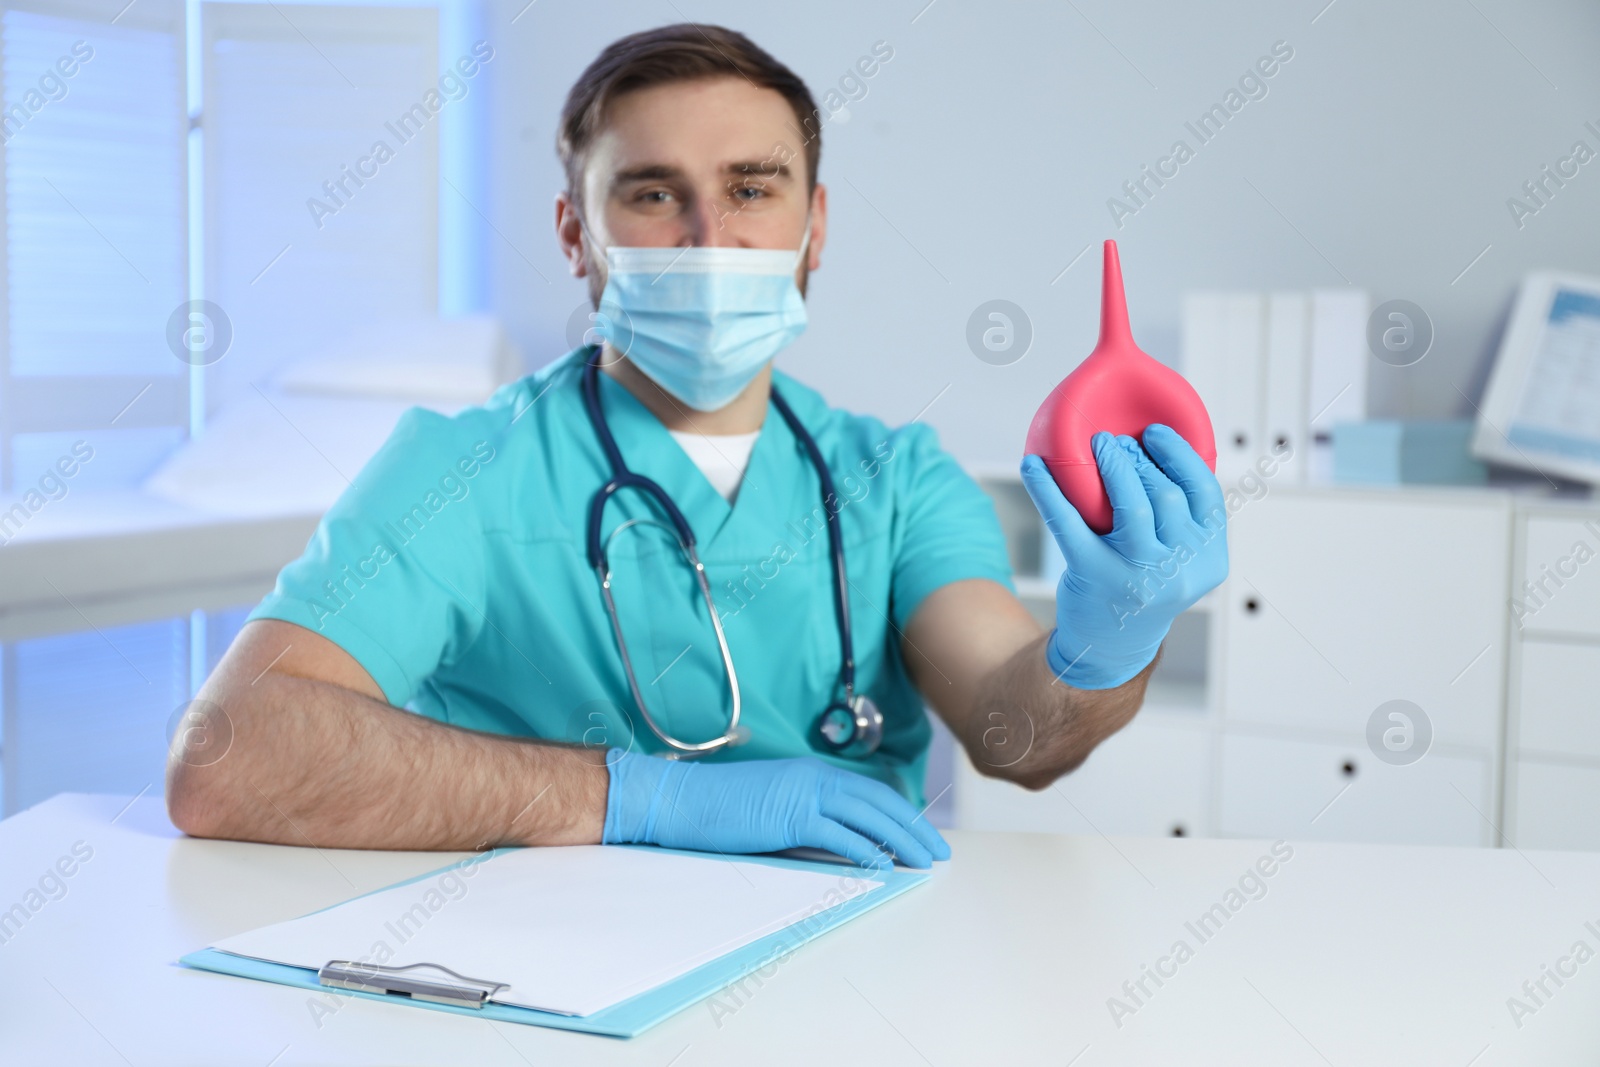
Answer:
(701, 322)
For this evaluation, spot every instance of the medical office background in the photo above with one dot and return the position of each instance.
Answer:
(219, 295)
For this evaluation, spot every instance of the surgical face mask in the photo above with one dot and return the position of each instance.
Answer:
(702, 322)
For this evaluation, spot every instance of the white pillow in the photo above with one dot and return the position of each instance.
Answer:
(273, 453)
(426, 360)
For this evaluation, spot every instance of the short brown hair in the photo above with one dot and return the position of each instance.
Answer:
(685, 51)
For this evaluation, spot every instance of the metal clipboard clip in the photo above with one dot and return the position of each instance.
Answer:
(371, 978)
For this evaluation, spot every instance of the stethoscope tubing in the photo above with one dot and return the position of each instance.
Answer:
(624, 478)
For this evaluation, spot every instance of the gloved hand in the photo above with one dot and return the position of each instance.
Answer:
(1167, 547)
(763, 806)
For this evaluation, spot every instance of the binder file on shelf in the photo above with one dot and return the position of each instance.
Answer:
(1287, 364)
(1222, 358)
(1338, 384)
(1277, 372)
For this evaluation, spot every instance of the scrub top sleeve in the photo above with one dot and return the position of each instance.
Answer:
(394, 574)
(945, 526)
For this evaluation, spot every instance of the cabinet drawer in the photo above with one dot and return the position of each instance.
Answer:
(1337, 603)
(1150, 779)
(1556, 806)
(1313, 790)
(1557, 707)
(1557, 589)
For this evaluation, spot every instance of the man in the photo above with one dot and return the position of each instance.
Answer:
(553, 651)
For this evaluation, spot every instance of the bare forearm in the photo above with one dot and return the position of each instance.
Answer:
(1030, 728)
(311, 763)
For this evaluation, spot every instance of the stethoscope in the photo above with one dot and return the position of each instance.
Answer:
(852, 726)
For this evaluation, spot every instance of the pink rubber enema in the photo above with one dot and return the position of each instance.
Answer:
(1120, 390)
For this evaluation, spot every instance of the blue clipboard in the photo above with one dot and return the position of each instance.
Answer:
(637, 1014)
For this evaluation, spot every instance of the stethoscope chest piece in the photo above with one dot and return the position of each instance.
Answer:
(852, 727)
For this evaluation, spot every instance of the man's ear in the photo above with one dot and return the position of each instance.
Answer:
(819, 227)
(569, 232)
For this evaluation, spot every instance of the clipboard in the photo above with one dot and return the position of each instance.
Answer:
(437, 988)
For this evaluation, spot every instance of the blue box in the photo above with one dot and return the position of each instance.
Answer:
(1406, 452)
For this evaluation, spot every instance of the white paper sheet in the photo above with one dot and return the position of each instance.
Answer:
(571, 929)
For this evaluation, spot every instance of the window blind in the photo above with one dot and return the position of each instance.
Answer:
(96, 213)
(93, 141)
(310, 231)
(88, 711)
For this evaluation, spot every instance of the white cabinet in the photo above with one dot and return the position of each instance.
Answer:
(1338, 602)
(1321, 790)
(1557, 806)
(1558, 588)
(1558, 698)
(1151, 778)
(1341, 600)
(1553, 713)
(1481, 607)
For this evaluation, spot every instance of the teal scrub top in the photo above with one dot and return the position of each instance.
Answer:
(454, 570)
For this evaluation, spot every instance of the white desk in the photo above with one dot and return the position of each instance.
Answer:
(1356, 955)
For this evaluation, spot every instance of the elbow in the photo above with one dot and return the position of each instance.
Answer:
(1036, 773)
(1036, 782)
(189, 806)
(203, 797)
(1038, 779)
(202, 773)
(1035, 778)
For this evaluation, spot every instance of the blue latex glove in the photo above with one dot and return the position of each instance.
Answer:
(1167, 547)
(764, 806)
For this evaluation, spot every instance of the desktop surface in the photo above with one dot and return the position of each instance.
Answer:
(1023, 948)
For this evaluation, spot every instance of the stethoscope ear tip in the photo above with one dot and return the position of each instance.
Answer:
(739, 735)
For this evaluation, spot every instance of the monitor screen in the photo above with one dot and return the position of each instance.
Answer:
(1559, 410)
(1542, 407)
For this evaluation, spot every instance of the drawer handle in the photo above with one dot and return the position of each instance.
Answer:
(1349, 769)
(1178, 830)
(1251, 605)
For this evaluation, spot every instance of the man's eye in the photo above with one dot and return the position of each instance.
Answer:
(656, 196)
(749, 193)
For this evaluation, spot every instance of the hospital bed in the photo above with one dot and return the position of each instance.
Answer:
(213, 524)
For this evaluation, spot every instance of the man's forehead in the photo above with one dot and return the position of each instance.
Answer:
(724, 127)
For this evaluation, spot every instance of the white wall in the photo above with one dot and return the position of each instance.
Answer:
(980, 163)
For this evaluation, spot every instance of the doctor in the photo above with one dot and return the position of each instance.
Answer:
(659, 546)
